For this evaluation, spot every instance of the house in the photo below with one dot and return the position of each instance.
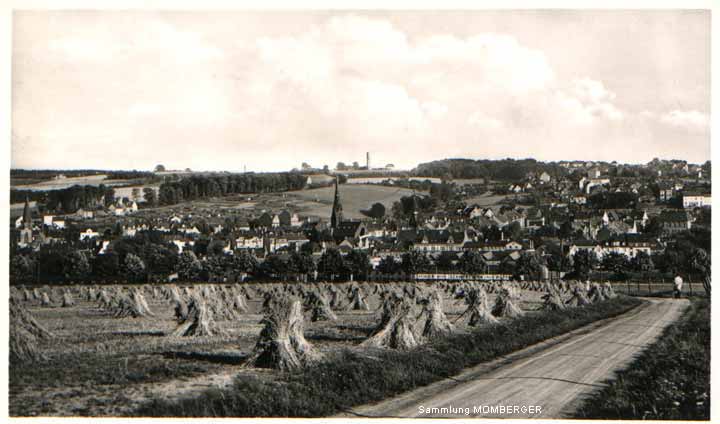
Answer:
(295, 220)
(674, 221)
(545, 177)
(83, 214)
(284, 218)
(249, 242)
(696, 199)
(89, 234)
(579, 199)
(665, 192)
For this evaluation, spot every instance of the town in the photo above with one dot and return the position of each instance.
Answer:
(449, 219)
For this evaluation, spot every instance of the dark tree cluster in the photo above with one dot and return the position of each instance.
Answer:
(204, 186)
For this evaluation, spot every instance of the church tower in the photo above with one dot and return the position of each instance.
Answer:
(337, 214)
(26, 232)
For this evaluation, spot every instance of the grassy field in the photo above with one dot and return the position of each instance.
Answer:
(669, 381)
(486, 200)
(102, 365)
(355, 197)
(349, 378)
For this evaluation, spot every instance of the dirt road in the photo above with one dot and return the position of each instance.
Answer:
(554, 378)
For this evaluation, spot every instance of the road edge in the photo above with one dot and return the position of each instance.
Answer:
(412, 396)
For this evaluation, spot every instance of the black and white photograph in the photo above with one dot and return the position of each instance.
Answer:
(358, 213)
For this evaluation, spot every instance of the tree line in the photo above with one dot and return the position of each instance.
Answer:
(203, 186)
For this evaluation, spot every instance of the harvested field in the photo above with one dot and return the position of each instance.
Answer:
(104, 360)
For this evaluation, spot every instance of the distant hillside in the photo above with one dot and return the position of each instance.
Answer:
(504, 169)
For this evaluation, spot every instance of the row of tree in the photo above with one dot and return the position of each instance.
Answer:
(203, 186)
(67, 200)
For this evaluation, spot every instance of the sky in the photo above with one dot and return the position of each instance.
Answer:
(266, 91)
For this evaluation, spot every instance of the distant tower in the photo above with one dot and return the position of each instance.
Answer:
(337, 214)
(367, 159)
(26, 232)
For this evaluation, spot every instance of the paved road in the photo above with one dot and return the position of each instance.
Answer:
(554, 378)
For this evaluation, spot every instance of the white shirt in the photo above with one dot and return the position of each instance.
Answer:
(678, 282)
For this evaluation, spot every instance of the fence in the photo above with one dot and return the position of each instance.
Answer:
(654, 288)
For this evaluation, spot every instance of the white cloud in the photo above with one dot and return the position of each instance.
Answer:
(144, 109)
(586, 101)
(480, 119)
(326, 90)
(686, 119)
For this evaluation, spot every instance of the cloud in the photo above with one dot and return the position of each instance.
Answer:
(327, 90)
(101, 45)
(691, 120)
(586, 101)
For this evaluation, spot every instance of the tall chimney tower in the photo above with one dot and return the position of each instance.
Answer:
(367, 160)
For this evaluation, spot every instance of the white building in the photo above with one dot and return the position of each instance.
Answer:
(88, 234)
(696, 200)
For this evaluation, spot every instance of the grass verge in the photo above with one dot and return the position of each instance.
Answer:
(668, 381)
(350, 378)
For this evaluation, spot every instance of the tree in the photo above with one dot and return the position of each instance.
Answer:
(357, 262)
(301, 263)
(77, 266)
(331, 263)
(133, 267)
(305, 166)
(160, 168)
(135, 194)
(243, 261)
(150, 196)
(700, 262)
(583, 262)
(21, 268)
(472, 262)
(445, 261)
(529, 265)
(106, 266)
(341, 166)
(189, 266)
(615, 262)
(642, 262)
(414, 262)
(273, 266)
(388, 265)
(376, 211)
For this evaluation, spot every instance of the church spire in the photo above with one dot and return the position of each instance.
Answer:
(337, 214)
(27, 216)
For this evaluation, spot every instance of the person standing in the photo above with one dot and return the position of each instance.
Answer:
(678, 286)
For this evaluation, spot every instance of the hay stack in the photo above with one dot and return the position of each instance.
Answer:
(357, 300)
(45, 300)
(395, 330)
(180, 310)
(24, 334)
(67, 300)
(608, 290)
(506, 303)
(578, 297)
(240, 303)
(198, 321)
(552, 301)
(319, 307)
(596, 293)
(282, 344)
(19, 316)
(133, 306)
(478, 310)
(141, 303)
(436, 323)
